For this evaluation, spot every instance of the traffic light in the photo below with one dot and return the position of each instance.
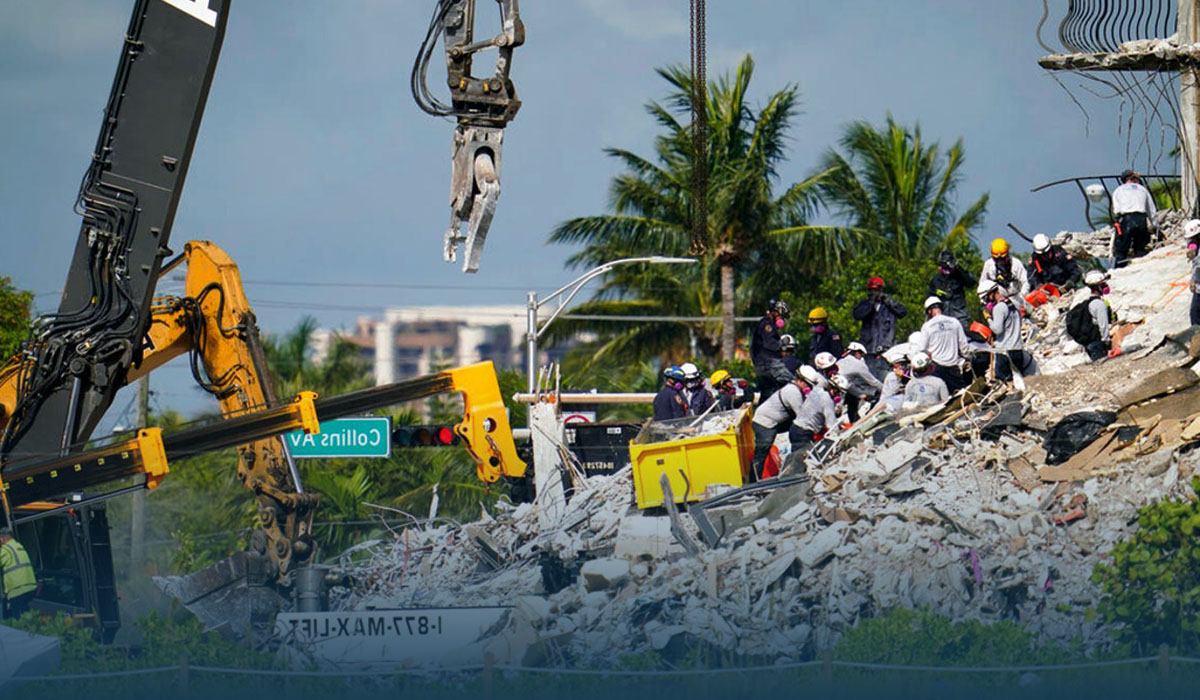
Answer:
(424, 436)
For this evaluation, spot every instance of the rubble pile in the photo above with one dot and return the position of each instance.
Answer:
(966, 509)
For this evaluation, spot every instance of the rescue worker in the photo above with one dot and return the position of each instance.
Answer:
(1191, 232)
(925, 389)
(986, 362)
(17, 578)
(1133, 208)
(694, 392)
(878, 314)
(944, 340)
(891, 396)
(765, 350)
(1050, 264)
(863, 385)
(824, 338)
(775, 415)
(950, 284)
(817, 417)
(1102, 315)
(669, 402)
(787, 348)
(1002, 269)
(826, 364)
(1004, 322)
(727, 395)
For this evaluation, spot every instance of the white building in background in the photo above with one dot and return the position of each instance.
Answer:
(415, 340)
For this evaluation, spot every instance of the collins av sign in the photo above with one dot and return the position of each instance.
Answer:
(369, 436)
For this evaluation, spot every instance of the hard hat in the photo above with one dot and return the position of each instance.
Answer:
(690, 371)
(999, 248)
(674, 372)
(1191, 228)
(787, 341)
(896, 353)
(842, 383)
(985, 287)
(1129, 174)
(780, 306)
(1041, 243)
(1095, 192)
(916, 338)
(920, 360)
(980, 329)
(824, 360)
(946, 258)
(857, 347)
(931, 302)
(818, 315)
(810, 375)
(718, 377)
(875, 283)
(1095, 278)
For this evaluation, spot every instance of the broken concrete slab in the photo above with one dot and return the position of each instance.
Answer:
(820, 547)
(603, 574)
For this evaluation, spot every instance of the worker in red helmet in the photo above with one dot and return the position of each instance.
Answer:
(878, 314)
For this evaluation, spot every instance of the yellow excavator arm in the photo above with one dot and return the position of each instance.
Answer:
(214, 322)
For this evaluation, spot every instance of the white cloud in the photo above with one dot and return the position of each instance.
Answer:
(642, 20)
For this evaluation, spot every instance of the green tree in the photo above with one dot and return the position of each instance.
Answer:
(293, 368)
(748, 223)
(1152, 581)
(14, 317)
(897, 191)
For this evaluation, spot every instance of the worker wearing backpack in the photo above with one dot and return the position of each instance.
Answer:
(1089, 323)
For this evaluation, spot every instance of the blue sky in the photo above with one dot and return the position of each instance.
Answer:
(313, 165)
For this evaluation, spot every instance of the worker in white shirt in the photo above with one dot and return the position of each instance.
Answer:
(1133, 208)
(943, 339)
(817, 417)
(925, 389)
(775, 415)
(1002, 269)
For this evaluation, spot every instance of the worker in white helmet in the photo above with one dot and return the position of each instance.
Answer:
(944, 340)
(863, 385)
(924, 389)
(1191, 233)
(1050, 264)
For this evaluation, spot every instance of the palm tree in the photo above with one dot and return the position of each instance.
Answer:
(293, 369)
(897, 191)
(747, 223)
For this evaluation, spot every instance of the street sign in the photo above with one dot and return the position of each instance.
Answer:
(366, 436)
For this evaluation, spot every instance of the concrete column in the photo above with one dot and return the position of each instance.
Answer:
(1189, 109)
(385, 352)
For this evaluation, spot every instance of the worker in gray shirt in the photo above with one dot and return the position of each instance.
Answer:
(925, 389)
(1101, 314)
(1004, 320)
(1191, 232)
(944, 340)
(817, 416)
(776, 414)
(862, 383)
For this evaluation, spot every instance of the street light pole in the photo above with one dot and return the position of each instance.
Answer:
(533, 304)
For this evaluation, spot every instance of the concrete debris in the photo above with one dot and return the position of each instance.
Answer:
(962, 515)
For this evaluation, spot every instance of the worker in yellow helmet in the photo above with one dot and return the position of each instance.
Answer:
(17, 579)
(823, 337)
(1007, 272)
(730, 393)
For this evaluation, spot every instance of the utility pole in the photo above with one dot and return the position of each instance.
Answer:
(1189, 114)
(137, 529)
(1098, 39)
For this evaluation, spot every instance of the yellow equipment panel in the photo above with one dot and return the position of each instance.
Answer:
(691, 464)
